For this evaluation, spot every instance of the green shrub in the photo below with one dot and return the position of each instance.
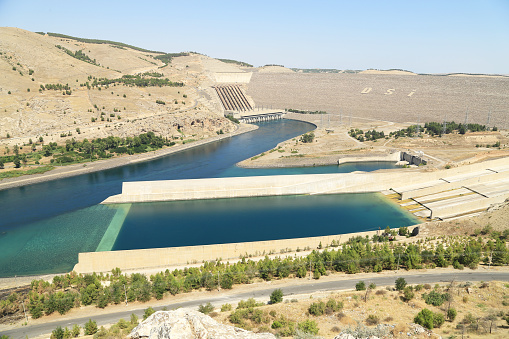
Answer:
(400, 284)
(206, 309)
(317, 308)
(424, 318)
(226, 307)
(429, 319)
(308, 326)
(148, 312)
(451, 314)
(57, 333)
(249, 303)
(408, 293)
(90, 327)
(435, 298)
(360, 286)
(276, 296)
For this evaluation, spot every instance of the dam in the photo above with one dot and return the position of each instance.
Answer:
(486, 183)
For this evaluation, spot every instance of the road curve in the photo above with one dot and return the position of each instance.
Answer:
(303, 288)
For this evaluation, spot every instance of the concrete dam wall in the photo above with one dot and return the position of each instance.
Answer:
(402, 181)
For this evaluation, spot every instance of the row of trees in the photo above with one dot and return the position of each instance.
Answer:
(134, 80)
(78, 55)
(366, 136)
(437, 128)
(72, 290)
(304, 112)
(77, 151)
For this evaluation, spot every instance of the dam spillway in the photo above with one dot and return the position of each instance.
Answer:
(489, 182)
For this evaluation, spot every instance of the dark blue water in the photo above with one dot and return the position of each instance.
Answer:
(44, 226)
(202, 222)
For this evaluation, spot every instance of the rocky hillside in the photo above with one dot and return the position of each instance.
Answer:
(184, 323)
(53, 87)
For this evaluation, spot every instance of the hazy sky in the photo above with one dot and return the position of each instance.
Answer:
(422, 36)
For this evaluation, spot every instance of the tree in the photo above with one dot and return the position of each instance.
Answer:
(499, 254)
(400, 284)
(90, 327)
(276, 296)
(1, 164)
(76, 330)
(57, 333)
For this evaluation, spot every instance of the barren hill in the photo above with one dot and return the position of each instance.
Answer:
(53, 87)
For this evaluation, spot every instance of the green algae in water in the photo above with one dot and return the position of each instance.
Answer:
(52, 245)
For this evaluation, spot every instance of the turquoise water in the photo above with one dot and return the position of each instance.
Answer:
(44, 226)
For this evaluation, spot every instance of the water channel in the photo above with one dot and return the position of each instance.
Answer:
(44, 226)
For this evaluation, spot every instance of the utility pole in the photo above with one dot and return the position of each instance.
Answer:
(125, 293)
(218, 281)
(489, 118)
(24, 311)
(399, 256)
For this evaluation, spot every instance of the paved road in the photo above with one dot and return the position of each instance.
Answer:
(302, 288)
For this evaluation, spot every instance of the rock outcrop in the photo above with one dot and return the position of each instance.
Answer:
(184, 323)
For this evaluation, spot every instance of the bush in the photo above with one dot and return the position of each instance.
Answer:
(90, 327)
(360, 286)
(333, 305)
(400, 284)
(435, 298)
(408, 293)
(76, 330)
(317, 308)
(148, 312)
(429, 319)
(451, 314)
(307, 137)
(57, 333)
(424, 318)
(226, 307)
(206, 309)
(308, 326)
(372, 320)
(276, 296)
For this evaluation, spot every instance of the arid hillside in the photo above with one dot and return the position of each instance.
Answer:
(54, 88)
(391, 97)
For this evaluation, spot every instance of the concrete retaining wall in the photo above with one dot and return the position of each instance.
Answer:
(160, 257)
(446, 186)
(465, 207)
(217, 188)
(396, 156)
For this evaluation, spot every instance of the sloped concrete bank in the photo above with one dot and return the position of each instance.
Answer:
(401, 180)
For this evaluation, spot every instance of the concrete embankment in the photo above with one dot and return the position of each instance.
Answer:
(172, 256)
(401, 180)
(324, 161)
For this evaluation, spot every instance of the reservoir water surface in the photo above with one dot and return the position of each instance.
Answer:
(44, 226)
